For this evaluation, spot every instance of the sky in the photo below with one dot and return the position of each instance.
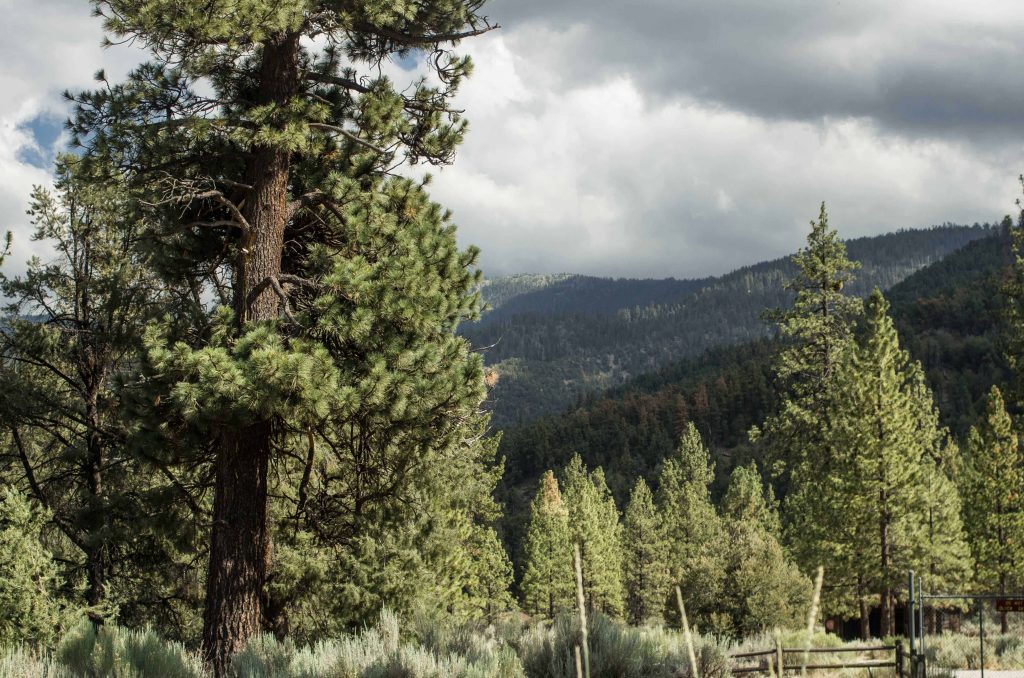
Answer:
(657, 138)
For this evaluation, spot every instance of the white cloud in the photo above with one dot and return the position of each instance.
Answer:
(666, 139)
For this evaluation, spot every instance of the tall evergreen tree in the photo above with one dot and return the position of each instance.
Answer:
(548, 581)
(749, 500)
(884, 451)
(645, 562)
(993, 506)
(817, 330)
(594, 525)
(267, 157)
(692, 527)
(799, 436)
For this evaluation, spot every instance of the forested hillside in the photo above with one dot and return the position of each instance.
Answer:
(554, 339)
(947, 314)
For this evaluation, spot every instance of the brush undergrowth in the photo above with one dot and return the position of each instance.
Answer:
(431, 648)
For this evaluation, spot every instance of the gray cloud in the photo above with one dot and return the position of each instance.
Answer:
(916, 66)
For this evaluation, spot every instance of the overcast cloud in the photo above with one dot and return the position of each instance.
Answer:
(661, 137)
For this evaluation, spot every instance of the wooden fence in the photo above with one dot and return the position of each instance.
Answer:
(778, 660)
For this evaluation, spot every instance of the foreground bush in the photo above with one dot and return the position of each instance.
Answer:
(435, 648)
(547, 651)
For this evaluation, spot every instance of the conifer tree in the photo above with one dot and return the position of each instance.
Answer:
(645, 563)
(883, 450)
(267, 156)
(30, 599)
(594, 525)
(548, 581)
(994, 508)
(799, 436)
(72, 330)
(817, 331)
(692, 527)
(763, 588)
(748, 500)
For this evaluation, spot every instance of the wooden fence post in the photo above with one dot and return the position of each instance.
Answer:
(778, 657)
(583, 610)
(686, 631)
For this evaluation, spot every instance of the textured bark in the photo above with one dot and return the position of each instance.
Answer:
(237, 573)
(240, 539)
(865, 614)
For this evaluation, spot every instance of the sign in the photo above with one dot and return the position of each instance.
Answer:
(1010, 604)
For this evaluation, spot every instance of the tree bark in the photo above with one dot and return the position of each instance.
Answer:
(865, 614)
(240, 538)
(95, 539)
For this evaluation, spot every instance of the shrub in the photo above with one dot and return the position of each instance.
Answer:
(114, 652)
(547, 651)
(30, 610)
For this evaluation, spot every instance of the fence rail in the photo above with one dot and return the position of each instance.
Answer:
(775, 661)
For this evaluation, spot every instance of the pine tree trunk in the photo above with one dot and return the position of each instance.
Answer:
(240, 539)
(865, 614)
(95, 556)
(1004, 624)
(234, 586)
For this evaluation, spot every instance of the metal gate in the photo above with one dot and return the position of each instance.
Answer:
(959, 635)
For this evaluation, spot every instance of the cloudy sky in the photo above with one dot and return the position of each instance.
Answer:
(660, 137)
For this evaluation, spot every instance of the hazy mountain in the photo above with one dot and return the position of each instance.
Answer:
(553, 339)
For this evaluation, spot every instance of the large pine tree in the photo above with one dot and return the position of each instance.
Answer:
(993, 506)
(799, 437)
(594, 526)
(817, 331)
(645, 557)
(548, 581)
(883, 452)
(266, 154)
(692, 527)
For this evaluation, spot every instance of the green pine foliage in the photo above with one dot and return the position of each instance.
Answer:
(884, 442)
(548, 583)
(645, 557)
(32, 603)
(817, 332)
(763, 587)
(992, 507)
(692, 526)
(594, 525)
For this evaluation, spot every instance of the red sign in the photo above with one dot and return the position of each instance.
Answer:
(1010, 604)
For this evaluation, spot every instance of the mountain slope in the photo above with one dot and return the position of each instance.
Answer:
(555, 339)
(948, 315)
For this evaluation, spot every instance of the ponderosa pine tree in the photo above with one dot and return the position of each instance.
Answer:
(946, 560)
(548, 582)
(799, 436)
(882, 449)
(692, 527)
(994, 509)
(763, 588)
(266, 156)
(817, 331)
(645, 557)
(594, 525)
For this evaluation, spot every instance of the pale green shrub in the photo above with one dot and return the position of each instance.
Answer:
(616, 650)
(114, 652)
(21, 662)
